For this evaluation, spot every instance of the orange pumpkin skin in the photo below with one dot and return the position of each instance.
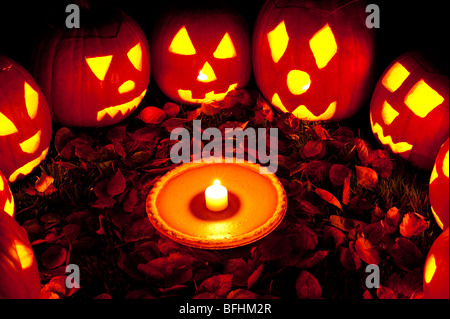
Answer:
(438, 189)
(314, 59)
(19, 274)
(189, 42)
(6, 197)
(436, 271)
(25, 121)
(96, 75)
(409, 111)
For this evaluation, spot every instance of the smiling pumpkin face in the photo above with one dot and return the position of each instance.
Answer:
(25, 122)
(313, 59)
(200, 55)
(96, 75)
(409, 109)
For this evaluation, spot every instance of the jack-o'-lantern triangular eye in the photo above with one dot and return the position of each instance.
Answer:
(135, 56)
(225, 49)
(278, 41)
(395, 77)
(182, 44)
(6, 126)
(31, 101)
(99, 65)
(323, 46)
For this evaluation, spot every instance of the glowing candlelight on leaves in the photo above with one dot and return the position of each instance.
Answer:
(216, 197)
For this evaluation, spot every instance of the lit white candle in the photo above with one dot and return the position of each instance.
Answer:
(216, 197)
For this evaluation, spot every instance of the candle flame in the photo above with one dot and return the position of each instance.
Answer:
(216, 182)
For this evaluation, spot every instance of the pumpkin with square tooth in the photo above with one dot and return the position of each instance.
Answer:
(96, 75)
(409, 110)
(200, 54)
(314, 59)
(25, 121)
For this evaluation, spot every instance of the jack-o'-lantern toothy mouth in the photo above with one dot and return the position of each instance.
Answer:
(27, 168)
(302, 111)
(124, 108)
(400, 147)
(186, 95)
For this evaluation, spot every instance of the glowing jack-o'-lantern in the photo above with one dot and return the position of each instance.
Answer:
(25, 122)
(439, 197)
(313, 59)
(200, 55)
(19, 274)
(6, 197)
(95, 75)
(409, 109)
(435, 273)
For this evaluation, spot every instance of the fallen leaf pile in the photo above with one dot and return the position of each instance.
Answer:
(349, 205)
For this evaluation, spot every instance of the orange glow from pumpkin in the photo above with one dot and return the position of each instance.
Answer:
(278, 41)
(127, 86)
(25, 254)
(388, 113)
(445, 165)
(6, 126)
(124, 108)
(206, 74)
(182, 44)
(422, 99)
(436, 217)
(32, 144)
(298, 82)
(135, 56)
(99, 65)
(395, 77)
(31, 101)
(400, 147)
(430, 269)
(323, 46)
(27, 168)
(225, 49)
(186, 95)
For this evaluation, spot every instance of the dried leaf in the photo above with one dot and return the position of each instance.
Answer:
(327, 196)
(391, 220)
(363, 149)
(53, 256)
(171, 109)
(348, 257)
(366, 251)
(338, 174)
(412, 224)
(237, 97)
(345, 224)
(219, 285)
(308, 286)
(381, 162)
(43, 183)
(242, 294)
(385, 293)
(312, 259)
(313, 150)
(151, 115)
(366, 177)
(116, 184)
(254, 276)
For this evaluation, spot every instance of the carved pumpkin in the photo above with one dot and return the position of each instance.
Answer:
(25, 122)
(439, 187)
(19, 274)
(409, 111)
(6, 197)
(435, 273)
(200, 55)
(96, 75)
(314, 59)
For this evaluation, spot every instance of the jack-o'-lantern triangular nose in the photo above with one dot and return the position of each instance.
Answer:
(206, 74)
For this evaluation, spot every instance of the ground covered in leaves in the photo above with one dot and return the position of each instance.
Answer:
(350, 204)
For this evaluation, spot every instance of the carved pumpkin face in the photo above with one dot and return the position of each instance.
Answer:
(25, 122)
(200, 56)
(435, 273)
(439, 187)
(6, 197)
(409, 109)
(19, 273)
(313, 59)
(95, 75)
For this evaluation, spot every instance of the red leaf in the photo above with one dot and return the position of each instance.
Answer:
(263, 111)
(242, 294)
(366, 177)
(116, 184)
(391, 220)
(151, 115)
(338, 174)
(171, 109)
(313, 150)
(43, 183)
(321, 132)
(307, 286)
(130, 201)
(386, 293)
(312, 259)
(254, 276)
(363, 149)
(381, 162)
(237, 97)
(219, 285)
(366, 251)
(345, 224)
(412, 224)
(348, 257)
(327, 196)
(173, 123)
(53, 256)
